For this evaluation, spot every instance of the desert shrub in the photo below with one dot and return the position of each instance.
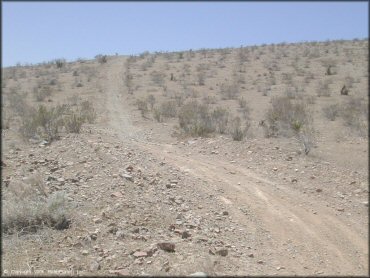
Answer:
(40, 93)
(101, 58)
(25, 210)
(242, 102)
(87, 112)
(60, 63)
(323, 89)
(355, 115)
(229, 91)
(209, 100)
(236, 130)
(179, 98)
(157, 78)
(142, 105)
(169, 109)
(288, 118)
(151, 100)
(73, 122)
(331, 111)
(43, 122)
(220, 117)
(195, 119)
(157, 115)
(286, 115)
(201, 77)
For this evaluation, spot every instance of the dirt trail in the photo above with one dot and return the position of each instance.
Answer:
(324, 241)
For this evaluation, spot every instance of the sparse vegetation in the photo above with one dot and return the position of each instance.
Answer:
(27, 207)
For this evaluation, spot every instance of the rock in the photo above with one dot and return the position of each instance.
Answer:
(222, 252)
(365, 203)
(318, 190)
(340, 209)
(275, 169)
(280, 267)
(127, 177)
(225, 213)
(185, 234)
(140, 254)
(167, 246)
(198, 274)
(116, 194)
(129, 168)
(260, 262)
(94, 266)
(294, 180)
(84, 252)
(97, 220)
(120, 234)
(251, 255)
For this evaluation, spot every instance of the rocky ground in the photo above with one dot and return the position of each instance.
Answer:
(144, 203)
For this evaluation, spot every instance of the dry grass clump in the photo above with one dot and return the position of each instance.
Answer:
(27, 207)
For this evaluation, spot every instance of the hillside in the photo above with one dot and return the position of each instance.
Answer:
(237, 161)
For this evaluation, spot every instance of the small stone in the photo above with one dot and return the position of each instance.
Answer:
(120, 234)
(294, 180)
(129, 168)
(222, 252)
(85, 252)
(280, 267)
(94, 266)
(251, 255)
(340, 209)
(275, 169)
(225, 213)
(127, 177)
(167, 246)
(116, 194)
(260, 262)
(185, 234)
(140, 254)
(97, 220)
(318, 190)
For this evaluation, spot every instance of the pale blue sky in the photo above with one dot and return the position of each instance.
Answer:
(34, 32)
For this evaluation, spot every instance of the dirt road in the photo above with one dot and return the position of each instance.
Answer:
(277, 213)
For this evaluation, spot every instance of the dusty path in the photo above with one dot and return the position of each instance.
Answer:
(323, 241)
